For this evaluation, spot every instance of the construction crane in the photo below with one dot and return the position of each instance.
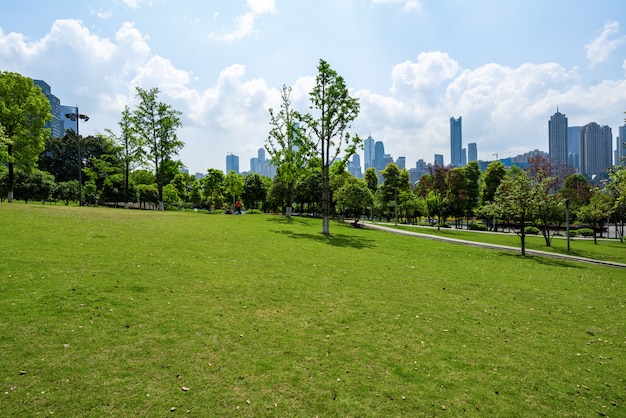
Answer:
(497, 154)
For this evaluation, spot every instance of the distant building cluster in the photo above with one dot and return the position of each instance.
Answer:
(259, 164)
(587, 149)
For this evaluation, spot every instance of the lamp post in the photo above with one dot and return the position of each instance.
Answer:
(567, 222)
(76, 116)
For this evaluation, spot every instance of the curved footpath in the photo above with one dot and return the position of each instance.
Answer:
(494, 246)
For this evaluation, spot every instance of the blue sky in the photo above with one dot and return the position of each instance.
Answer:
(504, 66)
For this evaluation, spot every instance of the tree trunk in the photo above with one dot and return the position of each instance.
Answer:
(11, 175)
(325, 200)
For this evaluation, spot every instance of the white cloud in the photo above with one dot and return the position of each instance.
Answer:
(601, 48)
(407, 4)
(245, 23)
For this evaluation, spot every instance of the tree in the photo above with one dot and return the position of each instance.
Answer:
(24, 110)
(66, 191)
(336, 110)
(577, 190)
(395, 182)
(457, 194)
(438, 195)
(132, 152)
(492, 177)
(254, 192)
(596, 212)
(472, 175)
(33, 185)
(288, 146)
(4, 152)
(548, 207)
(155, 124)
(353, 198)
(515, 201)
(371, 179)
(233, 186)
(617, 188)
(212, 188)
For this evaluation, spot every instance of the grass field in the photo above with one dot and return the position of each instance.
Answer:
(107, 312)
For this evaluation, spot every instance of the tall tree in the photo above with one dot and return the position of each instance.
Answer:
(371, 179)
(335, 110)
(596, 212)
(395, 182)
(212, 188)
(132, 151)
(353, 197)
(254, 191)
(617, 188)
(492, 177)
(472, 174)
(515, 201)
(155, 124)
(457, 194)
(288, 146)
(233, 186)
(24, 110)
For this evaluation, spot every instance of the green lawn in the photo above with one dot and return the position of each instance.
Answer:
(107, 312)
(605, 249)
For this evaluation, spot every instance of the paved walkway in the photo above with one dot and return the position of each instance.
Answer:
(494, 246)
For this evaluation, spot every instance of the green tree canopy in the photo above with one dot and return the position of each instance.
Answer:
(24, 110)
(334, 111)
(155, 124)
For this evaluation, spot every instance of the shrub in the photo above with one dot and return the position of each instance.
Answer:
(586, 232)
(572, 234)
(473, 226)
(531, 230)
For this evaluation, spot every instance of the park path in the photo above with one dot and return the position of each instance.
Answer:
(494, 246)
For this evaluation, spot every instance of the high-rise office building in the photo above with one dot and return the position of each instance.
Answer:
(472, 152)
(354, 166)
(379, 155)
(368, 152)
(596, 143)
(573, 146)
(56, 124)
(401, 162)
(620, 149)
(387, 159)
(456, 142)
(439, 160)
(557, 139)
(232, 163)
(464, 157)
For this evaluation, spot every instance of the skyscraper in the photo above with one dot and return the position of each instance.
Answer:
(439, 160)
(354, 166)
(56, 124)
(573, 146)
(232, 163)
(368, 151)
(596, 143)
(401, 162)
(379, 155)
(456, 142)
(620, 149)
(472, 152)
(557, 139)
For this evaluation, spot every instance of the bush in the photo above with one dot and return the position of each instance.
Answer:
(585, 232)
(572, 234)
(531, 230)
(473, 226)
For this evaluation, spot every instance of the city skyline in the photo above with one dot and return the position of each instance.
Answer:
(504, 66)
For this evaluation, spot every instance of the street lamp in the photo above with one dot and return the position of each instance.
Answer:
(77, 117)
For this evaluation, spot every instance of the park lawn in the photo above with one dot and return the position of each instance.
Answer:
(605, 249)
(109, 312)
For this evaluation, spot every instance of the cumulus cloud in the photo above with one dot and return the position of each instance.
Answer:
(245, 23)
(406, 4)
(599, 49)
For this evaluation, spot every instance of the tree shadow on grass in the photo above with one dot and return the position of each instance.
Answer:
(546, 260)
(336, 240)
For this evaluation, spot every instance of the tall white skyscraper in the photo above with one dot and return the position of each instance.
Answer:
(472, 152)
(557, 139)
(368, 151)
(456, 142)
(596, 143)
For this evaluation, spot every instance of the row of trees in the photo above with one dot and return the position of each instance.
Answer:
(310, 151)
